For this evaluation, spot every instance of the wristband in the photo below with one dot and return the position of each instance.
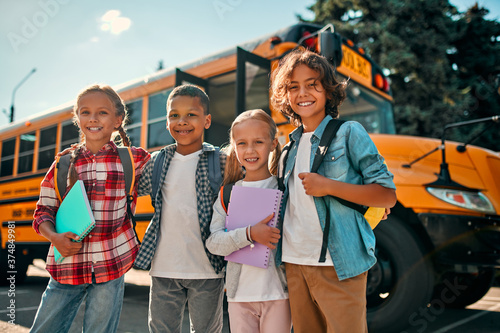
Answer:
(249, 237)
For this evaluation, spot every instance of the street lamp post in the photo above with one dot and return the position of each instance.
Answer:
(14, 93)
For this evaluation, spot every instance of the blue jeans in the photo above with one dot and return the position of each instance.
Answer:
(60, 304)
(168, 298)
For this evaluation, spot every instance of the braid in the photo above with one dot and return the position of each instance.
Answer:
(73, 174)
(125, 140)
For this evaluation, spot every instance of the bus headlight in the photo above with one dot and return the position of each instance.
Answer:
(465, 199)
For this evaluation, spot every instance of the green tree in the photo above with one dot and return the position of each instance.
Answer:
(442, 64)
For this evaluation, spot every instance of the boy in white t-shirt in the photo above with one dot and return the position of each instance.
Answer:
(181, 268)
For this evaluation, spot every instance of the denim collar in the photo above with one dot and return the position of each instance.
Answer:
(318, 132)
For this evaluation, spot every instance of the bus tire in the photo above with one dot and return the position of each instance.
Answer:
(401, 283)
(468, 288)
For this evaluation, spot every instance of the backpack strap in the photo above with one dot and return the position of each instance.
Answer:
(324, 143)
(225, 195)
(282, 165)
(214, 174)
(128, 168)
(61, 175)
(155, 179)
(127, 159)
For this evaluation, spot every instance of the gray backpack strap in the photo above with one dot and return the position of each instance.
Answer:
(214, 174)
(155, 179)
(62, 167)
(128, 168)
(127, 160)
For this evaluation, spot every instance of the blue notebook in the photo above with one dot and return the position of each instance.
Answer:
(75, 215)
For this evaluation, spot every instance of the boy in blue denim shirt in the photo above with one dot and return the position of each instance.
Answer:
(182, 269)
(328, 296)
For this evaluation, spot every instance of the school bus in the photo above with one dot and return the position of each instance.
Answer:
(439, 246)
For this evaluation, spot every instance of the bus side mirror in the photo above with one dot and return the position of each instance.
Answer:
(330, 46)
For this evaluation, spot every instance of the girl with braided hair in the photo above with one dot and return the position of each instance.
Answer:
(93, 269)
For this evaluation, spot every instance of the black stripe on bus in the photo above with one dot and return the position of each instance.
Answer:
(17, 223)
(35, 175)
(143, 217)
(17, 200)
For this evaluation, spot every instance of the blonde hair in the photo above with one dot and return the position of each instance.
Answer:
(334, 89)
(234, 171)
(121, 138)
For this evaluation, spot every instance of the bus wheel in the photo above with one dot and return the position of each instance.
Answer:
(401, 282)
(461, 289)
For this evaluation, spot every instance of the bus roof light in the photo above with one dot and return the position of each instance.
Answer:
(275, 40)
(379, 81)
(310, 43)
(387, 87)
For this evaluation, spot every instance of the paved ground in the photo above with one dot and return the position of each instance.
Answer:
(483, 316)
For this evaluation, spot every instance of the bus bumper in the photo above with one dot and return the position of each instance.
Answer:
(464, 240)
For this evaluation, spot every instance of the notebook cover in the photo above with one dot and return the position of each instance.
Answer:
(248, 206)
(75, 215)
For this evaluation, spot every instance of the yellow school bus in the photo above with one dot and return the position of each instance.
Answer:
(440, 245)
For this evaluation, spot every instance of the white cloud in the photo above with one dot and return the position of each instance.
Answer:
(113, 22)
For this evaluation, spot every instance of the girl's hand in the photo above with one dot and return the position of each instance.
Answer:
(314, 184)
(264, 234)
(64, 244)
(387, 212)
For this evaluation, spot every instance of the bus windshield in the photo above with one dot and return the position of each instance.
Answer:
(364, 106)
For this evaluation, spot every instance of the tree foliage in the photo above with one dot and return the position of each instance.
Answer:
(443, 65)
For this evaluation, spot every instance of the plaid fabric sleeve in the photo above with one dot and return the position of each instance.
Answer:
(145, 184)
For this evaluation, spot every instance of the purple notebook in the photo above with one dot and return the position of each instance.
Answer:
(248, 206)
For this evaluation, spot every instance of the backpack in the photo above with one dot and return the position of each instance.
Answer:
(125, 154)
(225, 195)
(373, 215)
(214, 172)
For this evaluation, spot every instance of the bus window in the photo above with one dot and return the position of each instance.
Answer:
(134, 122)
(26, 149)
(7, 164)
(70, 135)
(365, 107)
(47, 147)
(222, 108)
(158, 136)
(257, 88)
(252, 86)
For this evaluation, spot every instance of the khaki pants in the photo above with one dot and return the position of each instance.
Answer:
(321, 303)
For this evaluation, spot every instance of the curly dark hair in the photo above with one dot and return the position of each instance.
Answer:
(334, 89)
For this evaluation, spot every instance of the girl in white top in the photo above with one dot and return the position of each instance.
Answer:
(257, 297)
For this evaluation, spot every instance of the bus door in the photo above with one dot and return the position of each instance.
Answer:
(252, 82)
(182, 77)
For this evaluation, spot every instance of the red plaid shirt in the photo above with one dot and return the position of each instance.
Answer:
(111, 247)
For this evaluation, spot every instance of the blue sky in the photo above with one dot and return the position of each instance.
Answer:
(74, 43)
